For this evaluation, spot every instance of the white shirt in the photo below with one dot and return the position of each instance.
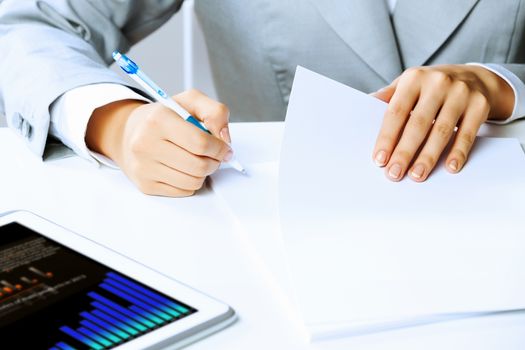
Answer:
(71, 112)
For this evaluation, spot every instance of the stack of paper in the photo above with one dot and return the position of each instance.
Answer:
(365, 253)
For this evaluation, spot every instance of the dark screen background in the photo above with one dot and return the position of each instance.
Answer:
(44, 286)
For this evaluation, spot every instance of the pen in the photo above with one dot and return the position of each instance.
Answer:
(135, 73)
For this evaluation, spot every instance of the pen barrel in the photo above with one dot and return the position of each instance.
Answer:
(197, 123)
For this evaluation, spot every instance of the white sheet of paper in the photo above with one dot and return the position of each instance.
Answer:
(362, 248)
(251, 199)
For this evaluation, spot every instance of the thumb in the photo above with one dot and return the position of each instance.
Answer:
(385, 94)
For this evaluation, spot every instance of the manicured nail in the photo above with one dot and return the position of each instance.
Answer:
(225, 135)
(453, 165)
(418, 171)
(380, 158)
(228, 156)
(395, 171)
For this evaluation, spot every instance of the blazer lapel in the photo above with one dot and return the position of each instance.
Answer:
(366, 27)
(422, 27)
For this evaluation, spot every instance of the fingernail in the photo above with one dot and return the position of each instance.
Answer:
(418, 171)
(225, 135)
(453, 165)
(380, 158)
(228, 156)
(395, 171)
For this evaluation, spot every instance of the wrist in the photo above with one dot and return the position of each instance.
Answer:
(500, 93)
(106, 126)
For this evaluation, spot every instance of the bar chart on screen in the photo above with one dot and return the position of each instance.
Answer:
(68, 301)
(120, 309)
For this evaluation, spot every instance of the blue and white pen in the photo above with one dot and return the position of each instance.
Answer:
(135, 73)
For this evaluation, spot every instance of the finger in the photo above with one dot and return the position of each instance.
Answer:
(439, 137)
(474, 117)
(415, 132)
(213, 114)
(178, 158)
(396, 115)
(225, 135)
(165, 190)
(155, 188)
(187, 136)
(175, 178)
(386, 93)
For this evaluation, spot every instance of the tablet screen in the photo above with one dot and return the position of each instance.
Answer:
(52, 297)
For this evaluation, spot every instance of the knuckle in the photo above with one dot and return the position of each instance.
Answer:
(192, 93)
(152, 119)
(467, 138)
(197, 183)
(442, 79)
(418, 121)
(481, 101)
(443, 130)
(222, 109)
(200, 167)
(428, 159)
(413, 73)
(191, 183)
(201, 144)
(404, 156)
(396, 110)
(461, 89)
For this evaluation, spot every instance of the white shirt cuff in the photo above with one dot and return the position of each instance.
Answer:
(71, 112)
(517, 86)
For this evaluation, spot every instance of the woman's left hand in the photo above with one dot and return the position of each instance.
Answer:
(425, 105)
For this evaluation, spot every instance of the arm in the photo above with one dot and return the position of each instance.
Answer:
(50, 47)
(59, 46)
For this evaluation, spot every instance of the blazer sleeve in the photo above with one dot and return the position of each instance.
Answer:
(50, 47)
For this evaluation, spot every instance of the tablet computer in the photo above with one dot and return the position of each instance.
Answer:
(60, 290)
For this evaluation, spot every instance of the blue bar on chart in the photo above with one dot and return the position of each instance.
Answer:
(127, 320)
(101, 331)
(108, 326)
(157, 296)
(81, 338)
(99, 339)
(121, 310)
(64, 346)
(146, 314)
(146, 299)
(136, 301)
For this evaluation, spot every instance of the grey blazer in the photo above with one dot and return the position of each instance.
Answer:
(49, 47)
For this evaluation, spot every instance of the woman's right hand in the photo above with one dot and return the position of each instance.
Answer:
(160, 152)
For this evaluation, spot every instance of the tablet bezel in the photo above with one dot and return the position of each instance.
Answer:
(212, 315)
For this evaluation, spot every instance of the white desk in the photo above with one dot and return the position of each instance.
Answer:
(195, 241)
